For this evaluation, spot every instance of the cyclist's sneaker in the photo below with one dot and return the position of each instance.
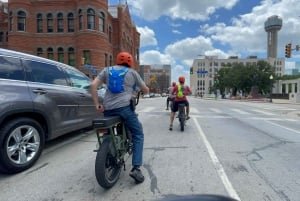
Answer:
(171, 127)
(137, 175)
(188, 117)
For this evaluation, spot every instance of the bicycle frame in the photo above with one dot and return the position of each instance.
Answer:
(114, 128)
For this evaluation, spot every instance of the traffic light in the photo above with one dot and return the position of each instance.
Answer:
(288, 49)
(191, 70)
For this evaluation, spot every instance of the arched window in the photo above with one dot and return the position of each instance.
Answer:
(71, 56)
(80, 19)
(110, 60)
(60, 55)
(10, 21)
(1, 37)
(50, 53)
(49, 23)
(91, 19)
(39, 52)
(110, 34)
(21, 21)
(39, 23)
(101, 22)
(71, 22)
(60, 22)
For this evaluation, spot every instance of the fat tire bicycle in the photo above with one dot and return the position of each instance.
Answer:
(181, 115)
(114, 144)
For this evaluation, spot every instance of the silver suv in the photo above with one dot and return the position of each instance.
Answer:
(40, 100)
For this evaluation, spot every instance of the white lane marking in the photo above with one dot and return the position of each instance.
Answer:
(215, 110)
(212, 117)
(240, 111)
(146, 109)
(290, 129)
(270, 119)
(263, 112)
(194, 110)
(220, 170)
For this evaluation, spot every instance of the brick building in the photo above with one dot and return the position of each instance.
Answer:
(81, 33)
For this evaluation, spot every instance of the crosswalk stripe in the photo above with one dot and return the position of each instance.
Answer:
(240, 111)
(263, 112)
(215, 110)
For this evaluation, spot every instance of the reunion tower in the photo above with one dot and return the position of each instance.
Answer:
(272, 26)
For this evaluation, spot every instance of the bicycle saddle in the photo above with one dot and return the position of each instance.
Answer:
(106, 121)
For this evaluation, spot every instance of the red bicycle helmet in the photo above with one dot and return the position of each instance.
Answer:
(124, 58)
(181, 80)
(173, 84)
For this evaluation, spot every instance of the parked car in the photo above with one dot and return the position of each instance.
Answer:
(40, 100)
(146, 96)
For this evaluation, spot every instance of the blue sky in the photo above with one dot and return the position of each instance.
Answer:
(177, 31)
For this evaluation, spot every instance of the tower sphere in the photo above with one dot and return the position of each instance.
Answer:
(273, 23)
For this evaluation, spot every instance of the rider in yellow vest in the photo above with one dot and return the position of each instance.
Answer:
(180, 91)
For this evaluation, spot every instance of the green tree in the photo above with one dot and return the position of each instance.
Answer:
(243, 77)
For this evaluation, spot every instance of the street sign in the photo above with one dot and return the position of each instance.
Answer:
(202, 71)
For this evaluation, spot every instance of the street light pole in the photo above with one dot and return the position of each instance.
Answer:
(271, 87)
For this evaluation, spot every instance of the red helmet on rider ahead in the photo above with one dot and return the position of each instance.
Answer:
(173, 84)
(124, 58)
(181, 80)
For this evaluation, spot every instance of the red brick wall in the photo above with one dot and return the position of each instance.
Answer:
(93, 40)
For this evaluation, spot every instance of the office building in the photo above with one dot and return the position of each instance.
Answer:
(156, 77)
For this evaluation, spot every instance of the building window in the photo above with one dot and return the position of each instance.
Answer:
(110, 60)
(60, 23)
(39, 52)
(101, 22)
(50, 53)
(60, 55)
(21, 21)
(71, 56)
(49, 23)
(80, 20)
(1, 37)
(71, 22)
(91, 19)
(87, 56)
(105, 59)
(110, 34)
(10, 21)
(39, 23)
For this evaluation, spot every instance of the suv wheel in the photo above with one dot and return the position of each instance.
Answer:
(21, 143)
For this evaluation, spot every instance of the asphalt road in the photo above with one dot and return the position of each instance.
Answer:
(246, 150)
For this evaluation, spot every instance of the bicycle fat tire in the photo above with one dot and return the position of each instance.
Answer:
(182, 124)
(107, 170)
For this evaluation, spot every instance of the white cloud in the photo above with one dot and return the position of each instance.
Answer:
(176, 31)
(178, 9)
(147, 36)
(155, 57)
(188, 49)
(244, 35)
